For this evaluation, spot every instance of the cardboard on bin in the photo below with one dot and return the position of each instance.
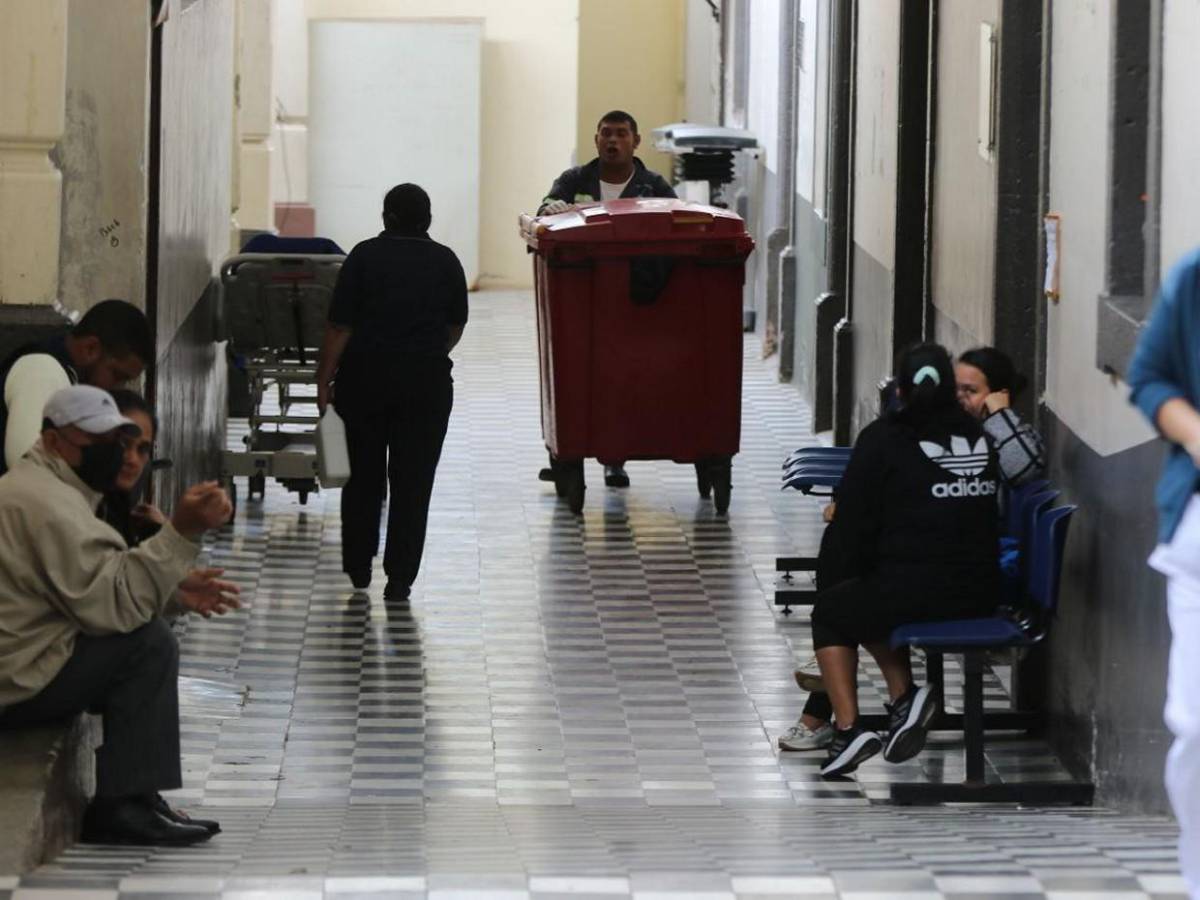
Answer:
(638, 221)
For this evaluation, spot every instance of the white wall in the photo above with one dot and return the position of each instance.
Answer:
(395, 102)
(530, 100)
(1181, 131)
(702, 65)
(875, 134)
(811, 106)
(1083, 397)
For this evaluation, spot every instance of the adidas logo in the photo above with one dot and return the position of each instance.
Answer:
(974, 487)
(961, 458)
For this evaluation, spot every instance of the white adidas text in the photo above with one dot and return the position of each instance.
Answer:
(974, 487)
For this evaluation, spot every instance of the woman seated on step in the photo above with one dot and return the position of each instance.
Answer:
(986, 384)
(915, 541)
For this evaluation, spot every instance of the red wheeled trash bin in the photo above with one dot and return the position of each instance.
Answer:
(639, 312)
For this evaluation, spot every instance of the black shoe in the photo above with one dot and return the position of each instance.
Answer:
(908, 723)
(134, 821)
(849, 749)
(395, 590)
(546, 474)
(614, 476)
(160, 806)
(360, 578)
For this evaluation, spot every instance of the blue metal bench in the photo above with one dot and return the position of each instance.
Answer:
(974, 638)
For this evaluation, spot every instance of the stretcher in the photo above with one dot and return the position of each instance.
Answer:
(275, 301)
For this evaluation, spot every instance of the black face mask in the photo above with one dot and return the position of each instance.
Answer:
(101, 465)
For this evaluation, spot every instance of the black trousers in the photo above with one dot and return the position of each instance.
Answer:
(394, 439)
(132, 681)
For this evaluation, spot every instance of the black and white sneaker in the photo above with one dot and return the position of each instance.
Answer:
(908, 723)
(849, 749)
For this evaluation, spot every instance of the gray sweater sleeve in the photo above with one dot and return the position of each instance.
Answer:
(1019, 448)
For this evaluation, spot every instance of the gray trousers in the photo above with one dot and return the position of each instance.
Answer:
(132, 681)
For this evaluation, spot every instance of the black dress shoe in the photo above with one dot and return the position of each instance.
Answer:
(614, 476)
(395, 590)
(360, 578)
(132, 820)
(160, 806)
(546, 474)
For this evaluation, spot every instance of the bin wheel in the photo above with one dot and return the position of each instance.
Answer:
(722, 485)
(703, 480)
(257, 485)
(569, 484)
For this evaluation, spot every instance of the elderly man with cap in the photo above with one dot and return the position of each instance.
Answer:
(80, 614)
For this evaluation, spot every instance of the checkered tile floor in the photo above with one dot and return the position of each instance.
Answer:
(581, 706)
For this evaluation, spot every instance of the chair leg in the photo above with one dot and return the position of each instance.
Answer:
(973, 715)
(935, 677)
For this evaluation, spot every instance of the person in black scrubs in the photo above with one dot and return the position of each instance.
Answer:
(399, 308)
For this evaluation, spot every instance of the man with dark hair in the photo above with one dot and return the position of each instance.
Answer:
(615, 174)
(110, 346)
(399, 308)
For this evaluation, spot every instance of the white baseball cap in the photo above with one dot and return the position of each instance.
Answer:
(88, 409)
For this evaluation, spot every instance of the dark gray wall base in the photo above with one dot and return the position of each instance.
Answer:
(1117, 332)
(190, 388)
(1107, 652)
(21, 324)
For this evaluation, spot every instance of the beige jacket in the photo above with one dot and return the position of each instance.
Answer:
(65, 572)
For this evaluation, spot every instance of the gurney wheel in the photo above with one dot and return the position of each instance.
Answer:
(257, 485)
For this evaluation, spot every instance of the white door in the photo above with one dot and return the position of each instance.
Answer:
(391, 102)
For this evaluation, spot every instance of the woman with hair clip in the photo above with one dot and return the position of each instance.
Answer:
(917, 534)
(986, 383)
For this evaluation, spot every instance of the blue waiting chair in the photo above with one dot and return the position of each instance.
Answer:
(974, 638)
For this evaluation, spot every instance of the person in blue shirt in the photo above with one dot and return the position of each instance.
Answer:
(1165, 379)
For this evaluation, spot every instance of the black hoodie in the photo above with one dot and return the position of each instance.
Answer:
(918, 500)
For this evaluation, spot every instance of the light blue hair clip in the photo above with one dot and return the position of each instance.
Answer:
(927, 372)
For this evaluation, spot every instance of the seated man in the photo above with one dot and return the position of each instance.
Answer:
(80, 623)
(109, 346)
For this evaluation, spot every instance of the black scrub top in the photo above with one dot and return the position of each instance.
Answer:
(400, 295)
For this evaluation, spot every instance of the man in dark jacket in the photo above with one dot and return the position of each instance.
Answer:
(110, 346)
(615, 174)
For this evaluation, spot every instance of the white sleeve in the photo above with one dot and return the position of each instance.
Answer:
(30, 382)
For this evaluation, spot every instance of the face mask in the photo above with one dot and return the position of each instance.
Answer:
(100, 466)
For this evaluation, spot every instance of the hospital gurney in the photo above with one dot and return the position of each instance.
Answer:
(276, 296)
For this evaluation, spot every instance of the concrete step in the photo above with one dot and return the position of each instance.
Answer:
(47, 775)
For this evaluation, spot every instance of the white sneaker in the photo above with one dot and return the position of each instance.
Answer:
(808, 677)
(801, 737)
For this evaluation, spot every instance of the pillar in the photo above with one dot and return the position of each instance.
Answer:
(33, 71)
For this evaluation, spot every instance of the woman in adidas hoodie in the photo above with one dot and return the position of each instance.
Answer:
(917, 523)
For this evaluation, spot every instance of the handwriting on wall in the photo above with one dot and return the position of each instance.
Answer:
(110, 231)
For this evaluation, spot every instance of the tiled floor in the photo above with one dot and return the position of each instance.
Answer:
(570, 706)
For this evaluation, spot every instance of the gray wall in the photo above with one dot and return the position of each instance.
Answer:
(197, 138)
(103, 154)
(874, 174)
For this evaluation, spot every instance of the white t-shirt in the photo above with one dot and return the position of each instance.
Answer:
(610, 191)
(30, 382)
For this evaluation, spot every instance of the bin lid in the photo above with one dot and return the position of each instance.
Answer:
(633, 220)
